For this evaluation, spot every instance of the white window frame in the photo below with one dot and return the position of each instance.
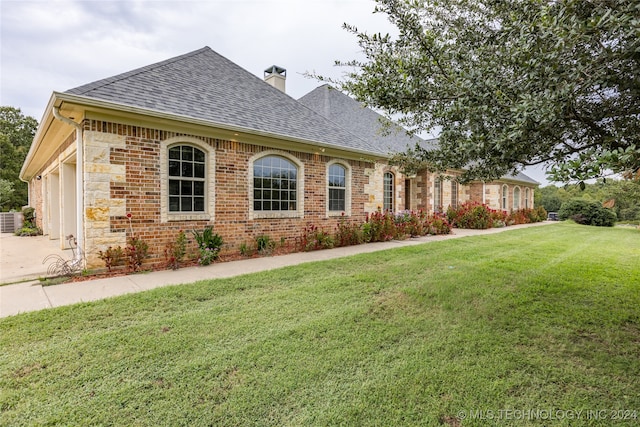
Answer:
(299, 211)
(438, 196)
(393, 191)
(516, 198)
(347, 189)
(505, 197)
(210, 179)
(527, 194)
(455, 194)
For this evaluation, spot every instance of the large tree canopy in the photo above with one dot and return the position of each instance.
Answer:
(16, 134)
(510, 83)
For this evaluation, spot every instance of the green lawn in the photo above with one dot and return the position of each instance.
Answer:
(538, 319)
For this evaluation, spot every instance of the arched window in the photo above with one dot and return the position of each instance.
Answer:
(187, 184)
(337, 182)
(526, 198)
(516, 198)
(275, 184)
(437, 195)
(505, 193)
(454, 193)
(389, 194)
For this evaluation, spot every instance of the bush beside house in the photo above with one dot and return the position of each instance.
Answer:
(479, 216)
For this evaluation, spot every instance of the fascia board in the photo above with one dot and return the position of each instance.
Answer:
(93, 103)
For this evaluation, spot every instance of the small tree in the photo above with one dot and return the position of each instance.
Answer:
(16, 133)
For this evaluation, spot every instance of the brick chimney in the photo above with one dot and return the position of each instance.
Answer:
(276, 77)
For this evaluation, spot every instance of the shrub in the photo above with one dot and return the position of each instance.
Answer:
(587, 212)
(348, 233)
(265, 244)
(438, 224)
(379, 227)
(314, 238)
(245, 250)
(630, 214)
(541, 213)
(27, 230)
(209, 245)
(137, 251)
(519, 216)
(411, 223)
(112, 257)
(174, 252)
(470, 215)
(29, 216)
(499, 218)
(527, 216)
(29, 227)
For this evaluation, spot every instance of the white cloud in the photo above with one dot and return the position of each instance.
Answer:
(57, 45)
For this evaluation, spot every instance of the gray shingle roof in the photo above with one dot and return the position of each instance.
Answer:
(521, 177)
(360, 120)
(205, 85)
(363, 121)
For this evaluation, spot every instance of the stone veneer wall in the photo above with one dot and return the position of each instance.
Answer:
(465, 192)
(122, 176)
(493, 194)
(374, 188)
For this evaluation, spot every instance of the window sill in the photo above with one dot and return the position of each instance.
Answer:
(203, 216)
(338, 213)
(276, 214)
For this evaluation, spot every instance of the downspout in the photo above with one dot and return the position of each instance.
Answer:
(79, 182)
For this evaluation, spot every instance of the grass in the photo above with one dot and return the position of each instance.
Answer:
(534, 319)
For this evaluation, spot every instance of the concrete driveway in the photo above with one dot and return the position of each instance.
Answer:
(21, 258)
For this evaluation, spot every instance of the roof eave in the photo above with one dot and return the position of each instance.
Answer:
(110, 105)
(43, 126)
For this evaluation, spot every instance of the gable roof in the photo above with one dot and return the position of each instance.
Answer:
(365, 122)
(520, 177)
(360, 120)
(206, 86)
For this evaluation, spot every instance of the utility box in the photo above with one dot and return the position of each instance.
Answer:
(10, 221)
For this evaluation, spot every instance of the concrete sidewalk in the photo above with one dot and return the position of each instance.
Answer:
(30, 296)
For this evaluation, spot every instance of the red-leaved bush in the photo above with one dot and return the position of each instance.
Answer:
(480, 216)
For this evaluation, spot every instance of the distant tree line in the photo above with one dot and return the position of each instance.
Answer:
(16, 133)
(623, 196)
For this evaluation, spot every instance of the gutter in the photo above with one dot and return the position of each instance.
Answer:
(79, 182)
(37, 139)
(110, 105)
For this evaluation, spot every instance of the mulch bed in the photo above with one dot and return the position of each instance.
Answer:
(226, 257)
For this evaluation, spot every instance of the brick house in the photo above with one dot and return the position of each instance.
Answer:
(196, 140)
(426, 191)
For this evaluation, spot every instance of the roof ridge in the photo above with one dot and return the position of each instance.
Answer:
(127, 74)
(205, 85)
(368, 110)
(327, 118)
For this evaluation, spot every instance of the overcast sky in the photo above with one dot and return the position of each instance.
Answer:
(56, 45)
